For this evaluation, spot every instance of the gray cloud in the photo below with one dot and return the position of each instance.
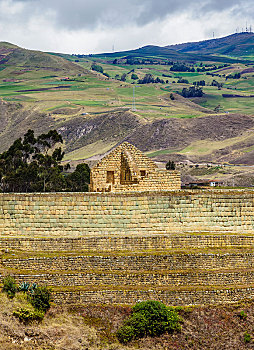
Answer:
(88, 26)
(76, 14)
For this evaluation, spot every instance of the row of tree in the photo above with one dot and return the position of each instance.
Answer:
(33, 164)
(148, 78)
(193, 91)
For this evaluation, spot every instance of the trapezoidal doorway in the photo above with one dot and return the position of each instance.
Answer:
(126, 176)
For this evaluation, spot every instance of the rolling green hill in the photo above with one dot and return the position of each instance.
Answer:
(94, 112)
(21, 60)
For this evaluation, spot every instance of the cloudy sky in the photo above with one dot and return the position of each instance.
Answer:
(92, 26)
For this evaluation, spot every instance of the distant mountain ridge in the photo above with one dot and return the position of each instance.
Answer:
(237, 44)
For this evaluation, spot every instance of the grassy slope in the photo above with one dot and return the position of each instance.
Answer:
(18, 58)
(94, 327)
(91, 101)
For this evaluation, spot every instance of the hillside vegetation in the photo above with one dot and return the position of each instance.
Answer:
(77, 327)
(90, 100)
(18, 59)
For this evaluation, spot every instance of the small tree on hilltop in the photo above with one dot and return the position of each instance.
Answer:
(170, 165)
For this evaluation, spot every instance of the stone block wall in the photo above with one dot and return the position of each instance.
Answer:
(162, 180)
(127, 163)
(138, 280)
(82, 214)
(142, 262)
(180, 247)
(169, 297)
(127, 243)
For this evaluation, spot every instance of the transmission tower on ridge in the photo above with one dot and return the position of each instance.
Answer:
(133, 100)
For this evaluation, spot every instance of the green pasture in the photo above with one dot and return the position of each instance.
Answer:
(213, 98)
(96, 94)
(160, 152)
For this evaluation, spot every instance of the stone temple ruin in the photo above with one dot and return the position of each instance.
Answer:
(127, 169)
(135, 236)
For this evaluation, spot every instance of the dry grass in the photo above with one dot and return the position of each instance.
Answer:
(78, 327)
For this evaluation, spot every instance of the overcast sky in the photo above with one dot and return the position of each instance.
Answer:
(93, 26)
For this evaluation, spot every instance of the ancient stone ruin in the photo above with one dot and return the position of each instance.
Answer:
(145, 239)
(127, 169)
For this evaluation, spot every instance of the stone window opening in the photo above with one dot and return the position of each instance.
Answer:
(142, 173)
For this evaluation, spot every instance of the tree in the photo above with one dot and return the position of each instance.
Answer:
(199, 83)
(97, 68)
(78, 180)
(148, 78)
(34, 165)
(181, 67)
(182, 81)
(170, 165)
(123, 77)
(134, 76)
(193, 91)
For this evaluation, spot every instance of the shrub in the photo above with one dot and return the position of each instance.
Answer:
(149, 318)
(159, 317)
(41, 298)
(27, 315)
(97, 68)
(247, 337)
(125, 334)
(134, 76)
(9, 286)
(242, 315)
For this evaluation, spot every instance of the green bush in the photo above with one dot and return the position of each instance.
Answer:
(151, 318)
(134, 76)
(9, 286)
(125, 334)
(41, 298)
(242, 315)
(247, 337)
(26, 315)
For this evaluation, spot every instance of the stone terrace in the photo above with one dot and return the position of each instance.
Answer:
(181, 247)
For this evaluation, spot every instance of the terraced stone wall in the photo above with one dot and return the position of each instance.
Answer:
(128, 262)
(75, 214)
(180, 247)
(182, 272)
